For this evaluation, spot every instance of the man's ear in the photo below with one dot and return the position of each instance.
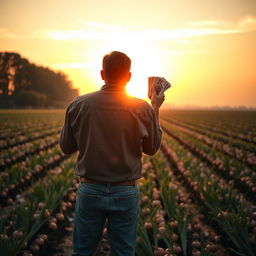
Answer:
(102, 75)
(129, 76)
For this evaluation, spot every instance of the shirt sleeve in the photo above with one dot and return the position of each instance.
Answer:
(67, 140)
(152, 141)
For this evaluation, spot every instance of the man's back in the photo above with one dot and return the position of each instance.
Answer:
(110, 130)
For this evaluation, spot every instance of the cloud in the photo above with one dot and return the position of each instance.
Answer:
(6, 34)
(98, 31)
(72, 65)
(102, 26)
(95, 31)
(248, 23)
(204, 23)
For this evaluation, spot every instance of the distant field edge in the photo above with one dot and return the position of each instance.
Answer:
(22, 110)
(207, 110)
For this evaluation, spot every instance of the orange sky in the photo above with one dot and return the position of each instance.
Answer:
(206, 49)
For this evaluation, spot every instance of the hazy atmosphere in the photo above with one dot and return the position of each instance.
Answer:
(106, 173)
(206, 49)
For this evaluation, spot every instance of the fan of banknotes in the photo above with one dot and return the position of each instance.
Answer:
(159, 84)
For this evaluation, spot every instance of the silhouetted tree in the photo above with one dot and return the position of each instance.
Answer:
(8, 65)
(17, 75)
(29, 98)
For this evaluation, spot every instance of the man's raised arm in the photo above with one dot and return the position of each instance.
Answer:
(152, 142)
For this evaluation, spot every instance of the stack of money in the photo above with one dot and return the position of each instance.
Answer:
(159, 84)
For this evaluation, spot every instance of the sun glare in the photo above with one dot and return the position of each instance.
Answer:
(146, 61)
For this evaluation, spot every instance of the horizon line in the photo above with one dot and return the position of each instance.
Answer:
(213, 107)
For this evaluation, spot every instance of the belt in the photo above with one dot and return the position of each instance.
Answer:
(123, 183)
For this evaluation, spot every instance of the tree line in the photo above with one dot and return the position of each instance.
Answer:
(26, 85)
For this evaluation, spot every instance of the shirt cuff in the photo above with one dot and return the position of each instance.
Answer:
(159, 128)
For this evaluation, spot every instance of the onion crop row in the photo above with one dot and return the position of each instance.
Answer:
(225, 208)
(241, 123)
(231, 169)
(243, 149)
(8, 143)
(20, 153)
(195, 236)
(220, 130)
(165, 225)
(20, 175)
(155, 235)
(14, 133)
(20, 232)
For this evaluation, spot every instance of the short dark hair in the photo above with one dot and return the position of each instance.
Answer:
(115, 65)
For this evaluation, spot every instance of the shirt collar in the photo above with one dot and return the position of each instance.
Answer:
(113, 88)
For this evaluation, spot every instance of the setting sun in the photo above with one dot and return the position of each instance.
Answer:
(137, 89)
(146, 59)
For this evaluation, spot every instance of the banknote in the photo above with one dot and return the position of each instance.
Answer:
(159, 84)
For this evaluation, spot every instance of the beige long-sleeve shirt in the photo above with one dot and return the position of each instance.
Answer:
(110, 130)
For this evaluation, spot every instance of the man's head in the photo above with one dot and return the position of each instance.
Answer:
(116, 68)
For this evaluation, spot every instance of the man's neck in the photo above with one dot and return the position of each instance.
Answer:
(114, 87)
(118, 85)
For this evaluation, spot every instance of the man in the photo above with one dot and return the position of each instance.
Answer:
(110, 130)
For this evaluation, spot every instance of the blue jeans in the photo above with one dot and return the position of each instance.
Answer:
(96, 203)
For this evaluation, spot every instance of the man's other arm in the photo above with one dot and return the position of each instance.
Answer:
(67, 140)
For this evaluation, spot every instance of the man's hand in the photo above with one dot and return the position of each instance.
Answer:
(157, 100)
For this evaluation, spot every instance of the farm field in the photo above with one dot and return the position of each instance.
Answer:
(197, 193)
